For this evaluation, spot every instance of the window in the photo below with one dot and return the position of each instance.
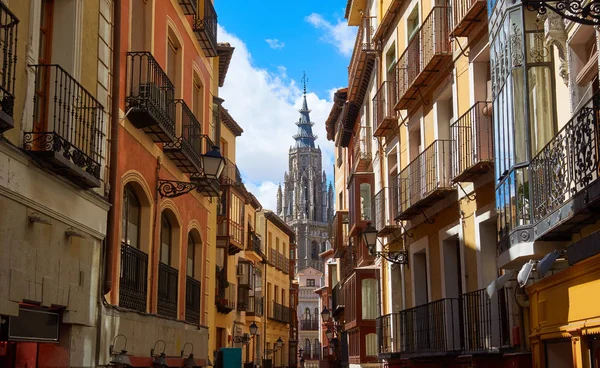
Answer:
(172, 51)
(191, 249)
(314, 251)
(412, 23)
(307, 315)
(165, 240)
(139, 25)
(130, 232)
(365, 201)
(369, 297)
(310, 282)
(307, 347)
(198, 99)
(42, 88)
(371, 344)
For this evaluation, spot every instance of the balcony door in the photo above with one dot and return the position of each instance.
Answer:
(42, 85)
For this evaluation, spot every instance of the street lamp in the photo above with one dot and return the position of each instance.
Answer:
(279, 343)
(370, 238)
(325, 315)
(212, 163)
(329, 334)
(253, 329)
(119, 360)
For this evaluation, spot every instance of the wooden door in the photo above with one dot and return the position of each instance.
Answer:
(43, 73)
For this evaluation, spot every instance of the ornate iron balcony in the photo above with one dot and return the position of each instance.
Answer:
(167, 290)
(309, 325)
(133, 284)
(279, 313)
(149, 97)
(425, 180)
(473, 143)
(186, 149)
(426, 58)
(384, 115)
(192, 300)
(68, 125)
(565, 169)
(8, 55)
(468, 14)
(205, 27)
(234, 234)
(188, 6)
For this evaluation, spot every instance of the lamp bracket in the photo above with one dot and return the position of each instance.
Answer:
(578, 11)
(174, 188)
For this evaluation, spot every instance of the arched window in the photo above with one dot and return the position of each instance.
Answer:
(191, 255)
(317, 313)
(166, 231)
(307, 347)
(317, 348)
(198, 98)
(307, 316)
(131, 217)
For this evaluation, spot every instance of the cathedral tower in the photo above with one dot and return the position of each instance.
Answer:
(306, 201)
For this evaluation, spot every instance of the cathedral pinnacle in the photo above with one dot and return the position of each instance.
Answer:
(305, 136)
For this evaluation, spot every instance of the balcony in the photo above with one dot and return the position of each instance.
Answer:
(566, 189)
(473, 143)
(339, 229)
(186, 149)
(167, 291)
(383, 214)
(68, 125)
(149, 97)
(384, 115)
(231, 174)
(255, 306)
(279, 313)
(225, 298)
(485, 322)
(230, 235)
(362, 149)
(188, 6)
(468, 14)
(337, 300)
(348, 262)
(192, 300)
(8, 54)
(205, 27)
(431, 329)
(425, 180)
(427, 58)
(388, 329)
(133, 282)
(362, 61)
(309, 325)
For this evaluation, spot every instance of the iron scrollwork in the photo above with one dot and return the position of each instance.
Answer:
(574, 10)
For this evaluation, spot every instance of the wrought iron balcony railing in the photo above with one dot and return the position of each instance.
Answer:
(473, 143)
(384, 115)
(186, 149)
(8, 57)
(279, 312)
(255, 243)
(205, 27)
(362, 61)
(485, 322)
(192, 300)
(188, 6)
(167, 291)
(568, 164)
(426, 58)
(149, 97)
(468, 14)
(133, 282)
(255, 306)
(388, 334)
(309, 325)
(425, 180)
(231, 174)
(431, 328)
(362, 149)
(225, 298)
(68, 125)
(383, 213)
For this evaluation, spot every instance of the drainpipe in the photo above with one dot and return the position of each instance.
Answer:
(112, 224)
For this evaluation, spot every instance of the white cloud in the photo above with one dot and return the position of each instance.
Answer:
(339, 34)
(266, 104)
(275, 43)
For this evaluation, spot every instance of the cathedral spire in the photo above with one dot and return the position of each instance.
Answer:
(305, 136)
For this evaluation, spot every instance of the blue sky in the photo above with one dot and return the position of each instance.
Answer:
(302, 45)
(263, 89)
